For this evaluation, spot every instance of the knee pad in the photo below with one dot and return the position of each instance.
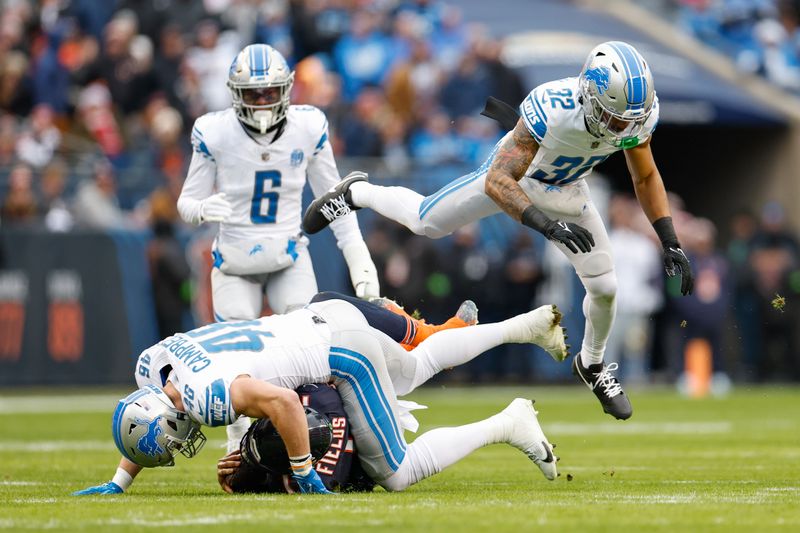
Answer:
(602, 286)
(596, 264)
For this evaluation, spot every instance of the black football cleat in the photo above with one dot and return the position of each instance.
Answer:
(332, 205)
(605, 386)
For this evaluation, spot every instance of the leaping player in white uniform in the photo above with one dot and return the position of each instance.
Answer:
(219, 372)
(257, 154)
(536, 175)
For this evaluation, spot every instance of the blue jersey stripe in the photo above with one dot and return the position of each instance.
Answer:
(373, 376)
(539, 109)
(458, 183)
(390, 459)
(321, 142)
(358, 372)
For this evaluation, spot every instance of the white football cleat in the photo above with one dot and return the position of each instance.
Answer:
(528, 437)
(540, 327)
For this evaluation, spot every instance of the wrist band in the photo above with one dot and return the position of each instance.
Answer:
(666, 231)
(534, 218)
(122, 478)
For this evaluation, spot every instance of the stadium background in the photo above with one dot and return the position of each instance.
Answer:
(98, 97)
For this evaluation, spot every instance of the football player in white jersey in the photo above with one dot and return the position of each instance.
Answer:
(256, 155)
(536, 174)
(215, 374)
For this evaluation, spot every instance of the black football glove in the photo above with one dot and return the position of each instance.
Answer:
(676, 262)
(571, 235)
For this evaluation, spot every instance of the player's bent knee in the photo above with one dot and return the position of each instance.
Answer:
(602, 287)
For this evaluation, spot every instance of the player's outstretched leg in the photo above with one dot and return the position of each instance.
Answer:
(454, 347)
(417, 329)
(540, 327)
(332, 205)
(437, 449)
(599, 378)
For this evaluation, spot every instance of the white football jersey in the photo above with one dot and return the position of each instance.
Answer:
(285, 350)
(262, 180)
(567, 151)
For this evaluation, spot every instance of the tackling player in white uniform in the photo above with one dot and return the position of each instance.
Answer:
(536, 174)
(219, 372)
(257, 155)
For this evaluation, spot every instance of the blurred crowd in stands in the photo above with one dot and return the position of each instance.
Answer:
(761, 36)
(97, 98)
(121, 82)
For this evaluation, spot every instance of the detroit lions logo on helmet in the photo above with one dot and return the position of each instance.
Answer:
(599, 75)
(148, 443)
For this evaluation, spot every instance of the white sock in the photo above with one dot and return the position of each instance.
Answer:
(437, 449)
(451, 348)
(396, 203)
(599, 313)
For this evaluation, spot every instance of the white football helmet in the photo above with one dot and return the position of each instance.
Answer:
(148, 429)
(617, 93)
(260, 82)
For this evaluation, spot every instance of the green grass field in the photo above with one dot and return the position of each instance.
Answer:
(729, 464)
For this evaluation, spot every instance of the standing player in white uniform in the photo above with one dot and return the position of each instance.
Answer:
(536, 175)
(257, 155)
(225, 370)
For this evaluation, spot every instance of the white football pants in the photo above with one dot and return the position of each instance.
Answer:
(464, 200)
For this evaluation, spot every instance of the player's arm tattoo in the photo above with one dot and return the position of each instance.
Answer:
(508, 167)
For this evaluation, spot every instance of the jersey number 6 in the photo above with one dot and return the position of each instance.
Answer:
(260, 214)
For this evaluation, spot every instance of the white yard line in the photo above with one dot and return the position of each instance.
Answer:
(53, 403)
(628, 428)
(69, 445)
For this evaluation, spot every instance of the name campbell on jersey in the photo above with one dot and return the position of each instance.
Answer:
(280, 349)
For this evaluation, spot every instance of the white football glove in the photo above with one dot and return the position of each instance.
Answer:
(215, 208)
(363, 273)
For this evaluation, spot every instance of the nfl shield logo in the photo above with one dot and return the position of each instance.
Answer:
(265, 156)
(297, 158)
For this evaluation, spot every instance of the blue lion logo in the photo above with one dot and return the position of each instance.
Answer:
(257, 248)
(148, 443)
(296, 158)
(599, 75)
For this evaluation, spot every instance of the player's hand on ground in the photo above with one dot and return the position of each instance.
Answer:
(215, 208)
(105, 488)
(226, 467)
(571, 235)
(676, 262)
(310, 483)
